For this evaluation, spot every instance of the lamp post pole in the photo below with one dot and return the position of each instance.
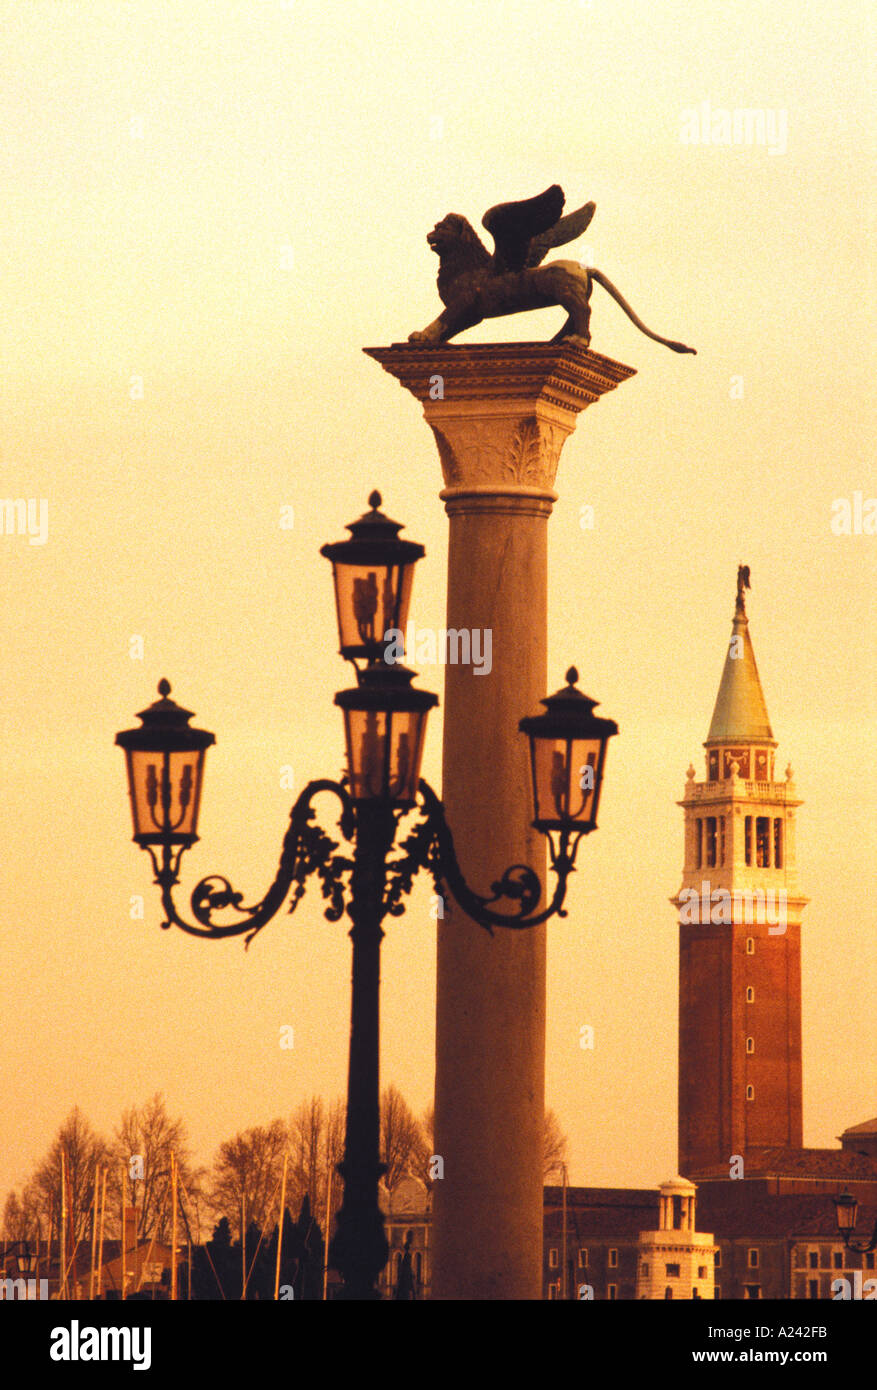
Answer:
(359, 1250)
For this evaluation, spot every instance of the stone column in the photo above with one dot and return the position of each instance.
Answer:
(500, 414)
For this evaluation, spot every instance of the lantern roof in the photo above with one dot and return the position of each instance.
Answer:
(374, 540)
(568, 714)
(165, 723)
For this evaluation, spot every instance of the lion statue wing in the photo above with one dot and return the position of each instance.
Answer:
(514, 226)
(567, 229)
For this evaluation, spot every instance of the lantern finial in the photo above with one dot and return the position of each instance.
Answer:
(164, 688)
(375, 499)
(572, 675)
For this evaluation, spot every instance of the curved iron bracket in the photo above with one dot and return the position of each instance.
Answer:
(307, 850)
(431, 846)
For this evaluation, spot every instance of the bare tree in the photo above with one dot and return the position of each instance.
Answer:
(21, 1215)
(246, 1176)
(316, 1143)
(145, 1140)
(554, 1144)
(83, 1151)
(404, 1147)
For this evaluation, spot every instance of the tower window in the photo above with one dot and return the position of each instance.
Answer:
(750, 945)
(752, 1259)
(722, 839)
(750, 1093)
(750, 1045)
(613, 1259)
(673, 1271)
(711, 842)
(778, 843)
(762, 842)
(699, 844)
(747, 839)
(750, 994)
(552, 1258)
(583, 1258)
(612, 1292)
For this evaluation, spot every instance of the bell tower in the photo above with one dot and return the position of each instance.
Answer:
(740, 911)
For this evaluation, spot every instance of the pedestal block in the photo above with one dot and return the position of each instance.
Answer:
(500, 414)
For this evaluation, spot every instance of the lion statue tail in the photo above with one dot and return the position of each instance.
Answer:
(633, 316)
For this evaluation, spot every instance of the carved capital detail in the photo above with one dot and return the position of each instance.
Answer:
(499, 452)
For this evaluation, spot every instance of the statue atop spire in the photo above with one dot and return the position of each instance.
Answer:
(742, 583)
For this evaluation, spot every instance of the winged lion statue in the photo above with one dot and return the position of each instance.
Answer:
(474, 285)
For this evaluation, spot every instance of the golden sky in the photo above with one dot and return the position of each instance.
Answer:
(208, 209)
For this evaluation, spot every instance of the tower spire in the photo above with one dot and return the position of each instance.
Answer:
(740, 714)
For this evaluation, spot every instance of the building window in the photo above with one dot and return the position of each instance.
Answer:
(750, 1045)
(814, 1259)
(750, 945)
(750, 995)
(813, 1288)
(583, 1259)
(613, 1259)
(718, 1259)
(612, 1292)
(747, 840)
(762, 842)
(698, 852)
(721, 839)
(752, 1291)
(778, 844)
(750, 1093)
(701, 1271)
(645, 1271)
(552, 1258)
(869, 1261)
(717, 1291)
(711, 842)
(838, 1259)
(672, 1271)
(668, 1292)
(553, 1291)
(752, 1259)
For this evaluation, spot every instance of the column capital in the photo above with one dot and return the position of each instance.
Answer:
(500, 412)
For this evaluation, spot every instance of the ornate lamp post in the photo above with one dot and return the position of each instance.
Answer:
(847, 1206)
(385, 725)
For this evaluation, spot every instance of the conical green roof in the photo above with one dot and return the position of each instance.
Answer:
(740, 715)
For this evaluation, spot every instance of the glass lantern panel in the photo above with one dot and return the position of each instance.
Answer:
(407, 748)
(566, 772)
(166, 788)
(371, 599)
(373, 771)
